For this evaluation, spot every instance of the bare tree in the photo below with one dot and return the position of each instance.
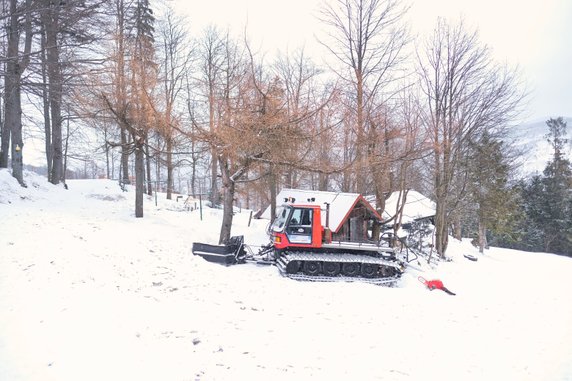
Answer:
(50, 19)
(217, 65)
(174, 63)
(19, 23)
(297, 74)
(368, 40)
(242, 122)
(254, 130)
(198, 149)
(124, 93)
(410, 147)
(465, 93)
(64, 33)
(104, 102)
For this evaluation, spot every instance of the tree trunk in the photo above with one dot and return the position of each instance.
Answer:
(12, 87)
(1, 126)
(457, 227)
(401, 201)
(440, 229)
(214, 196)
(108, 174)
(347, 173)
(66, 147)
(360, 139)
(5, 140)
(228, 202)
(13, 119)
(139, 178)
(48, 136)
(50, 19)
(193, 189)
(124, 156)
(273, 194)
(323, 180)
(46, 104)
(169, 164)
(148, 172)
(11, 75)
(482, 237)
(121, 93)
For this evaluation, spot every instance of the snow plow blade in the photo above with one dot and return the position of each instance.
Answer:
(231, 253)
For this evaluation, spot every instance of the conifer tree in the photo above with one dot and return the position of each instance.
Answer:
(489, 171)
(557, 183)
(548, 197)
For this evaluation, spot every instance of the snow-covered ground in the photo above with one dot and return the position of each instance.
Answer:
(88, 292)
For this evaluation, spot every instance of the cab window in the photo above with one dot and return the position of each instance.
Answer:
(300, 226)
(280, 220)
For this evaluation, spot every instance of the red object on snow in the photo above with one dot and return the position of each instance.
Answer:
(434, 284)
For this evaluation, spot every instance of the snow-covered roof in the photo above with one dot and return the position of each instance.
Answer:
(341, 204)
(416, 207)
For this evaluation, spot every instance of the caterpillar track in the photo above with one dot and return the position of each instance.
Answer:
(334, 267)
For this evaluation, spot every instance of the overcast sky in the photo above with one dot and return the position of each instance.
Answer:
(534, 35)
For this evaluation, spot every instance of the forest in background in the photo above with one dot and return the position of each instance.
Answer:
(122, 89)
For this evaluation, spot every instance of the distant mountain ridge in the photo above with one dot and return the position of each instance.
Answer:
(530, 139)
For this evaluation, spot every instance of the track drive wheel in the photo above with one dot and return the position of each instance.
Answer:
(368, 270)
(387, 271)
(312, 268)
(293, 267)
(331, 268)
(350, 268)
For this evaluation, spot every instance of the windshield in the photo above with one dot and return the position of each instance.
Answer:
(280, 220)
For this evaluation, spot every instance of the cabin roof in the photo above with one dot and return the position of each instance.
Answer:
(417, 207)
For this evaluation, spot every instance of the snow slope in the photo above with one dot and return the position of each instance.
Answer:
(88, 292)
(530, 139)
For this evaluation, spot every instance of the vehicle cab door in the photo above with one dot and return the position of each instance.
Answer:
(299, 228)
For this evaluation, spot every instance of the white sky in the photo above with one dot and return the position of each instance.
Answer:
(531, 34)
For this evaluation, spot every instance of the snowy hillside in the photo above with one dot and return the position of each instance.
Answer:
(530, 138)
(88, 292)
